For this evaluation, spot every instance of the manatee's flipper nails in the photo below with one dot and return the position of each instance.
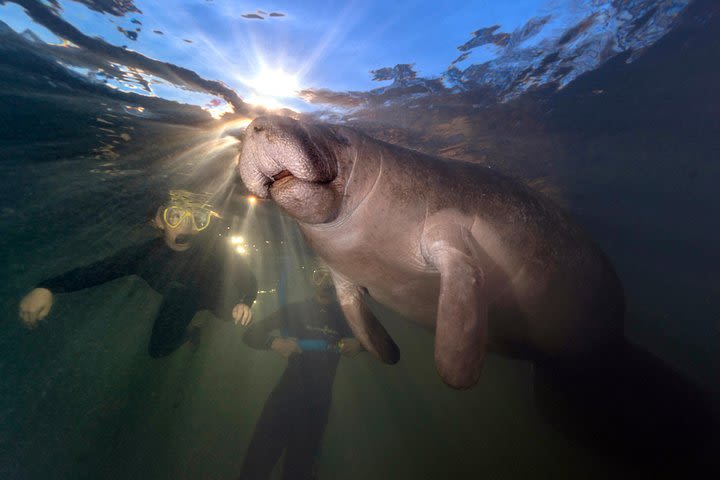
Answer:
(367, 329)
(461, 330)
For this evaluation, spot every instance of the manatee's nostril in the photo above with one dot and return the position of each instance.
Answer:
(258, 128)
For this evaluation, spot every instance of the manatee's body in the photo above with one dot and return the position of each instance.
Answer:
(453, 246)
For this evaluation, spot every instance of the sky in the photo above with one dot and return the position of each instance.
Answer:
(318, 44)
(325, 44)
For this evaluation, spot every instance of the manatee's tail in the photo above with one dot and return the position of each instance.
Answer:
(629, 404)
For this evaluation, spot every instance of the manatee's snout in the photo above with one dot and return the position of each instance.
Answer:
(294, 163)
(276, 147)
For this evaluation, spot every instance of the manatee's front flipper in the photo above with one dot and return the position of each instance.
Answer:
(461, 330)
(367, 329)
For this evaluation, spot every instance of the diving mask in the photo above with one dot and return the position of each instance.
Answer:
(184, 205)
(174, 216)
(321, 277)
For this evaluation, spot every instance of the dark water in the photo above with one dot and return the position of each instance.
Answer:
(632, 150)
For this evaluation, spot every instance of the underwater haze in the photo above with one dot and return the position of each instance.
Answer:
(610, 108)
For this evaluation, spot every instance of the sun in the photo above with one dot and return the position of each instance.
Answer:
(270, 103)
(271, 87)
(275, 83)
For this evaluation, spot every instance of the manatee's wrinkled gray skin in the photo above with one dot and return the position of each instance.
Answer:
(457, 247)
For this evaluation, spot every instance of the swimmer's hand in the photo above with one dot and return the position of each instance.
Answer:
(286, 346)
(241, 314)
(35, 306)
(350, 347)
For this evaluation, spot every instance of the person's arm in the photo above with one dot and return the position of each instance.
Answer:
(235, 300)
(116, 266)
(245, 286)
(350, 346)
(37, 304)
(259, 334)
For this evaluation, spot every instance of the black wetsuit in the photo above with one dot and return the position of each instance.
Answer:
(296, 412)
(206, 276)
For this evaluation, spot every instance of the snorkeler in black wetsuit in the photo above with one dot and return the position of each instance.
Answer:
(312, 336)
(191, 270)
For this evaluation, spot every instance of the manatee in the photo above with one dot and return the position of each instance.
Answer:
(479, 257)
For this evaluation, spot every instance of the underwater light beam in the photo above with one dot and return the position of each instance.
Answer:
(333, 36)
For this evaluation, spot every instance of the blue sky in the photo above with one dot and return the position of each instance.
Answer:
(319, 43)
(331, 44)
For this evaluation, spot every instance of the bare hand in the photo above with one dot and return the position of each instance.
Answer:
(242, 314)
(35, 306)
(286, 346)
(350, 347)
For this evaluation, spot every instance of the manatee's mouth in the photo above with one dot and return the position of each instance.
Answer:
(277, 181)
(281, 175)
(270, 182)
(282, 179)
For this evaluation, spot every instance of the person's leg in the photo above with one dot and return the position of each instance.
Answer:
(270, 436)
(305, 439)
(170, 328)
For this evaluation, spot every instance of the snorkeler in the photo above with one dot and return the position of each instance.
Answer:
(312, 335)
(187, 265)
